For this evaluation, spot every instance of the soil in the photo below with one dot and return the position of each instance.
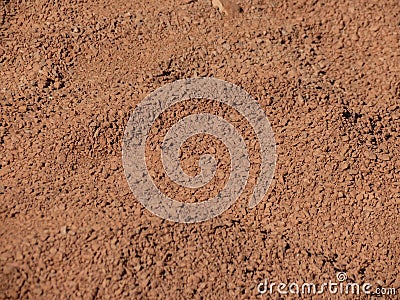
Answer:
(327, 74)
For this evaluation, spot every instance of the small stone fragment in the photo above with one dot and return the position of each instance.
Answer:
(228, 7)
(63, 230)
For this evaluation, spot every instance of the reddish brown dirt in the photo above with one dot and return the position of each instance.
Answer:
(327, 75)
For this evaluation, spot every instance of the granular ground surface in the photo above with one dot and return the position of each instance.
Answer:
(326, 73)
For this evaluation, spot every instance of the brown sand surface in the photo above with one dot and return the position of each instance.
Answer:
(327, 74)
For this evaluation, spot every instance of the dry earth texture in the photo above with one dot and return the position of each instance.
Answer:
(327, 74)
